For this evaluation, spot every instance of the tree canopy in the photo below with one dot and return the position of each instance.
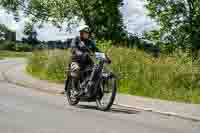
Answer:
(179, 22)
(102, 16)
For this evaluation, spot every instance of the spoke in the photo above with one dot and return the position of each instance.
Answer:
(107, 90)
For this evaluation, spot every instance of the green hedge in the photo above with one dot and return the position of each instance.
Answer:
(13, 46)
(7, 45)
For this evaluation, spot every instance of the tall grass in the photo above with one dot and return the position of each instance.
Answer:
(50, 65)
(170, 78)
(166, 77)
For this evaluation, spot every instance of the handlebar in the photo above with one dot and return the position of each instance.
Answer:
(99, 55)
(102, 56)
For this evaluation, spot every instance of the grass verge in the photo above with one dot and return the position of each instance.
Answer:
(168, 77)
(11, 54)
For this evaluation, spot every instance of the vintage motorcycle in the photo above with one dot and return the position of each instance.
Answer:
(97, 81)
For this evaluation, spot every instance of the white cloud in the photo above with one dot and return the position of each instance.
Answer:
(7, 19)
(135, 16)
(48, 32)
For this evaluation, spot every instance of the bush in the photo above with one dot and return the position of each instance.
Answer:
(8, 45)
(104, 45)
(23, 47)
(13, 46)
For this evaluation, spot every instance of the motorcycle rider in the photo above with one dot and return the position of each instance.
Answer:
(81, 47)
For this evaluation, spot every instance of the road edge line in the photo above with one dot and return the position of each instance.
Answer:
(160, 112)
(26, 85)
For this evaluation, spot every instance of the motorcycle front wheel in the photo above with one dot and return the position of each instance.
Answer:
(69, 93)
(106, 97)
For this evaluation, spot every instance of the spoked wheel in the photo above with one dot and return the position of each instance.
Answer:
(69, 92)
(108, 92)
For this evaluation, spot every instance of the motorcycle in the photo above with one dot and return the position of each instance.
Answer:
(98, 85)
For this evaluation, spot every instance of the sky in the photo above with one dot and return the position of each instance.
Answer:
(134, 15)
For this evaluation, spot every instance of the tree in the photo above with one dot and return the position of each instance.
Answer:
(103, 16)
(6, 33)
(3, 29)
(31, 34)
(179, 22)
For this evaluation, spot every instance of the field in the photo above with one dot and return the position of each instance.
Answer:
(12, 54)
(167, 77)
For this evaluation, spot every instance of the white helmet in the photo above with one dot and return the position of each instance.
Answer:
(84, 28)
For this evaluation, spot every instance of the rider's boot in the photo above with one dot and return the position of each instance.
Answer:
(75, 87)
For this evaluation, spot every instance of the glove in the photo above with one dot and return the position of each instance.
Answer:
(108, 60)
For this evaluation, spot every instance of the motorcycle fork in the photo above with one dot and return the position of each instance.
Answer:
(95, 78)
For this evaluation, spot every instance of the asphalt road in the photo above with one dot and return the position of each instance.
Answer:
(23, 110)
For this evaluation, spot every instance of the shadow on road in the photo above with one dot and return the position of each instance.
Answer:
(114, 109)
(125, 111)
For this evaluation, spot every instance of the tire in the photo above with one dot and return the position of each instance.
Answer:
(68, 88)
(107, 106)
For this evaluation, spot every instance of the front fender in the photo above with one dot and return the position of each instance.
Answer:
(109, 75)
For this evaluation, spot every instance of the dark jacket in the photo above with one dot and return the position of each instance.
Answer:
(80, 51)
